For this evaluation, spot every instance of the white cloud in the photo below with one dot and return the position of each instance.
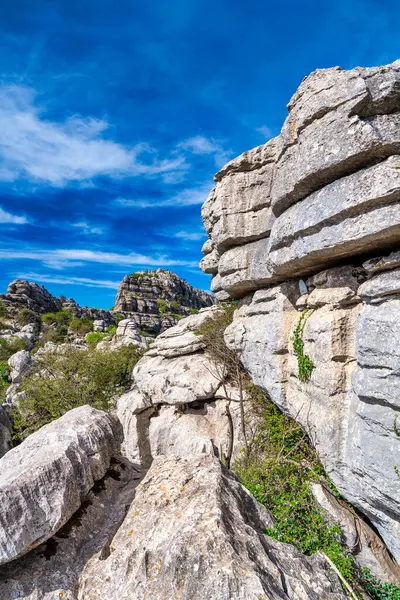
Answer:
(202, 145)
(89, 229)
(190, 236)
(62, 258)
(186, 197)
(75, 150)
(6, 217)
(265, 131)
(84, 281)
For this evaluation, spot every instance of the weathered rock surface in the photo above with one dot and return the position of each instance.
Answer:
(52, 570)
(327, 188)
(5, 432)
(44, 480)
(194, 532)
(359, 538)
(19, 363)
(350, 402)
(177, 404)
(140, 291)
(30, 295)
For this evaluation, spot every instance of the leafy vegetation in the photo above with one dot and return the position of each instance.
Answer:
(162, 306)
(112, 329)
(26, 316)
(94, 337)
(304, 361)
(279, 468)
(174, 306)
(3, 309)
(66, 379)
(10, 346)
(4, 372)
(193, 311)
(81, 326)
(379, 590)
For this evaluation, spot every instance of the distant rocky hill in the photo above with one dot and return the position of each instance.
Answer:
(155, 300)
(159, 292)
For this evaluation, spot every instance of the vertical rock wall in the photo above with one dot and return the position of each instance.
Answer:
(322, 202)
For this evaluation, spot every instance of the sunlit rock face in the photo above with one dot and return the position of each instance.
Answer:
(319, 205)
(194, 532)
(326, 188)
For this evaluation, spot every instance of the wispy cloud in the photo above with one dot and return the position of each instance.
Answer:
(84, 281)
(88, 229)
(75, 150)
(202, 145)
(190, 236)
(265, 131)
(186, 197)
(61, 258)
(7, 217)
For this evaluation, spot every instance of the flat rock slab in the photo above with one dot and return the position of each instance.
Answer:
(44, 480)
(194, 532)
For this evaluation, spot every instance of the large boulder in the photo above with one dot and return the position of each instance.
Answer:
(177, 403)
(44, 480)
(194, 532)
(52, 570)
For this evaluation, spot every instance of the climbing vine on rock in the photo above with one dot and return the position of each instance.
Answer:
(304, 362)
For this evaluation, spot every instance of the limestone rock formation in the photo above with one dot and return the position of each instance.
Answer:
(5, 432)
(44, 480)
(25, 294)
(350, 402)
(52, 570)
(327, 188)
(324, 193)
(194, 532)
(178, 402)
(140, 292)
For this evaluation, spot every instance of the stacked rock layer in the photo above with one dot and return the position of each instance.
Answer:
(322, 202)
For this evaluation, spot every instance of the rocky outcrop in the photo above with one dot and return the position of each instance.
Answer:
(52, 570)
(142, 292)
(350, 402)
(194, 532)
(324, 193)
(327, 188)
(180, 402)
(44, 480)
(25, 294)
(5, 432)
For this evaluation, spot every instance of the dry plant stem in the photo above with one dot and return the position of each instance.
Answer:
(342, 579)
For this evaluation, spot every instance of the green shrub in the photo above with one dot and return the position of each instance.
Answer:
(3, 309)
(26, 316)
(81, 326)
(70, 379)
(60, 318)
(162, 306)
(112, 329)
(94, 337)
(4, 373)
(112, 307)
(193, 311)
(10, 347)
(174, 306)
(379, 590)
(118, 318)
(279, 468)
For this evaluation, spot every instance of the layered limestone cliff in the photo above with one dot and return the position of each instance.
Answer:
(321, 202)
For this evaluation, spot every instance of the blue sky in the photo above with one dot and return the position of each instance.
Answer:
(115, 115)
